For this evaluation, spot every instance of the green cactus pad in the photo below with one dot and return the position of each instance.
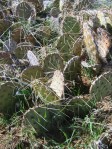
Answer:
(72, 68)
(57, 83)
(25, 10)
(102, 86)
(22, 49)
(65, 44)
(43, 118)
(79, 105)
(17, 33)
(38, 118)
(4, 25)
(43, 33)
(70, 25)
(7, 99)
(44, 92)
(53, 62)
(5, 58)
(31, 73)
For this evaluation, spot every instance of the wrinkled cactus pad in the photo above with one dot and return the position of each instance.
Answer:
(90, 44)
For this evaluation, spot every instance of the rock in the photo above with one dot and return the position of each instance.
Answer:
(32, 59)
(57, 83)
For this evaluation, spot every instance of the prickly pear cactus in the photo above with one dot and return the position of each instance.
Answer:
(7, 99)
(79, 105)
(31, 73)
(22, 49)
(90, 44)
(4, 25)
(43, 118)
(44, 92)
(57, 83)
(70, 25)
(39, 118)
(65, 45)
(24, 10)
(5, 58)
(53, 62)
(17, 33)
(102, 86)
(72, 68)
(33, 60)
(43, 32)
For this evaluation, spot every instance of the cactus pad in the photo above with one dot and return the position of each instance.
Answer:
(102, 86)
(70, 25)
(7, 99)
(43, 118)
(65, 45)
(53, 62)
(5, 58)
(79, 105)
(22, 49)
(57, 83)
(44, 92)
(17, 33)
(31, 73)
(72, 68)
(25, 10)
(4, 25)
(39, 118)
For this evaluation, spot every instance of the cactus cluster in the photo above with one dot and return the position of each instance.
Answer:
(55, 61)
